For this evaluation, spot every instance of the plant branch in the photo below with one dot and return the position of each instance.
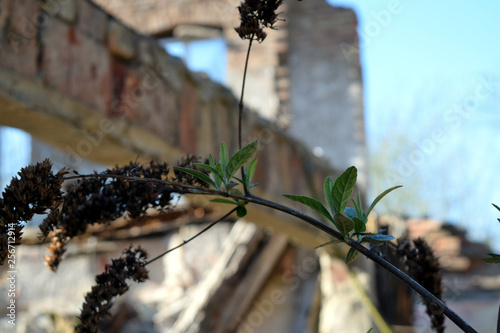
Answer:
(240, 105)
(321, 226)
(240, 108)
(190, 239)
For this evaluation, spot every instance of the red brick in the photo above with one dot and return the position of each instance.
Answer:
(57, 39)
(142, 98)
(19, 48)
(76, 64)
(188, 119)
(92, 20)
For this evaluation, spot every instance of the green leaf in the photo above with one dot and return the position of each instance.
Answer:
(248, 175)
(310, 202)
(370, 330)
(493, 259)
(250, 171)
(350, 212)
(328, 187)
(377, 199)
(224, 157)
(198, 174)
(240, 158)
(211, 161)
(241, 211)
(344, 224)
(376, 239)
(359, 208)
(359, 225)
(351, 255)
(215, 173)
(342, 189)
(328, 243)
(355, 205)
(231, 186)
(220, 200)
(218, 167)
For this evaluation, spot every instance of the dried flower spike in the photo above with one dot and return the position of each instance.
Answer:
(35, 191)
(424, 267)
(110, 284)
(255, 15)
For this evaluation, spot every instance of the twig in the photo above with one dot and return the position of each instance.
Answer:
(190, 239)
(461, 323)
(240, 107)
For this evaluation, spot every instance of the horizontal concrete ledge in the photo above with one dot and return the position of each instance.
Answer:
(285, 166)
(74, 128)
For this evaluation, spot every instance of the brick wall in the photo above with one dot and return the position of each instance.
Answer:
(326, 92)
(160, 17)
(78, 79)
(304, 74)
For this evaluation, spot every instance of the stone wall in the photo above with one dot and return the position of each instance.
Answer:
(326, 91)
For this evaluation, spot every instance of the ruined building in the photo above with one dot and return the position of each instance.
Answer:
(90, 82)
(300, 76)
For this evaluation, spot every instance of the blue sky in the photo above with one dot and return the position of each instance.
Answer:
(432, 104)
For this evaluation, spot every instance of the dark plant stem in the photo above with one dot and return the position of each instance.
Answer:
(190, 239)
(462, 324)
(240, 105)
(240, 108)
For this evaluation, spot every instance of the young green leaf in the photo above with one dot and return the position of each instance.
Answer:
(351, 255)
(328, 187)
(211, 161)
(240, 158)
(241, 211)
(250, 171)
(376, 239)
(359, 225)
(248, 175)
(218, 167)
(227, 201)
(358, 206)
(344, 224)
(342, 189)
(198, 174)
(493, 259)
(377, 199)
(215, 173)
(350, 212)
(370, 330)
(224, 157)
(310, 202)
(231, 186)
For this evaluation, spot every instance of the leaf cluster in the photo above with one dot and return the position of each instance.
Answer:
(221, 175)
(349, 221)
